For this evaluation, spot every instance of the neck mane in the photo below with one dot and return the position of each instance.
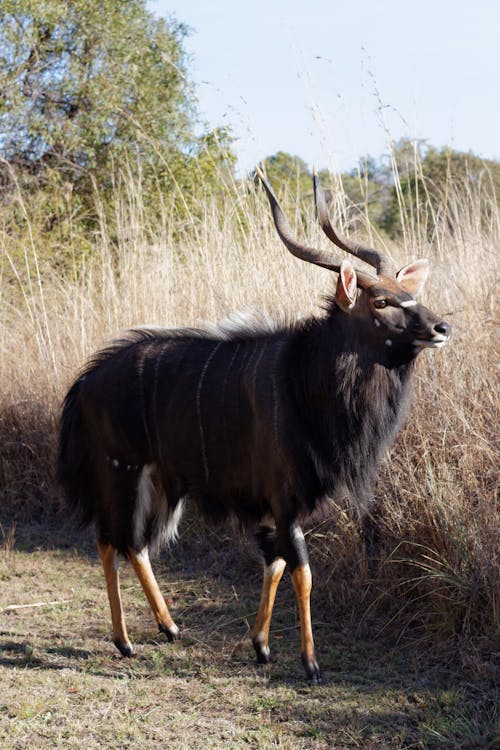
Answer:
(351, 399)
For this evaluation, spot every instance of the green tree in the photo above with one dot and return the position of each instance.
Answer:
(85, 80)
(437, 182)
(89, 87)
(363, 191)
(287, 171)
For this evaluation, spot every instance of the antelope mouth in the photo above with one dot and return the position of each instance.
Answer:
(436, 342)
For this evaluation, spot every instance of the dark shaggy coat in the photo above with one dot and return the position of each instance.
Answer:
(243, 423)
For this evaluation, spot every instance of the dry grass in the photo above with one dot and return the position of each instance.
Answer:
(438, 577)
(64, 685)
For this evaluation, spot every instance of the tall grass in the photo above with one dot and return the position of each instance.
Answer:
(437, 495)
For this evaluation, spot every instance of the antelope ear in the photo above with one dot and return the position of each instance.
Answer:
(413, 277)
(345, 295)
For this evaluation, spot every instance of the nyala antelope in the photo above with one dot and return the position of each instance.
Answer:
(260, 423)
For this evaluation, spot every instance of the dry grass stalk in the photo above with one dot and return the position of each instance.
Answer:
(439, 489)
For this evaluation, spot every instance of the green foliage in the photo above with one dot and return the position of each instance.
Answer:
(89, 80)
(92, 88)
(401, 189)
(413, 187)
(210, 167)
(285, 170)
(419, 179)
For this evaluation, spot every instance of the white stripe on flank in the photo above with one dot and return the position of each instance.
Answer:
(227, 373)
(276, 416)
(275, 406)
(142, 395)
(252, 354)
(159, 358)
(257, 363)
(198, 408)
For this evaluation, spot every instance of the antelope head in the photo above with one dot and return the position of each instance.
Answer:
(383, 302)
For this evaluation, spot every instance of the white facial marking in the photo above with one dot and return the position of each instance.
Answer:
(436, 343)
(377, 322)
(408, 303)
(388, 342)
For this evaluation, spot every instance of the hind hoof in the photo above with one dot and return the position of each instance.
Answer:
(125, 649)
(262, 651)
(173, 633)
(312, 671)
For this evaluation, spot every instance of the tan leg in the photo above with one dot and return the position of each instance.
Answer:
(302, 583)
(110, 564)
(142, 566)
(260, 633)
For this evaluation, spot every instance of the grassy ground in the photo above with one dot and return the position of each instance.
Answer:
(63, 683)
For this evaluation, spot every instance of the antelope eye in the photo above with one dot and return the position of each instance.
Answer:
(380, 303)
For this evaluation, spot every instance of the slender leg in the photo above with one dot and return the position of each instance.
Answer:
(142, 566)
(109, 560)
(302, 583)
(292, 545)
(260, 633)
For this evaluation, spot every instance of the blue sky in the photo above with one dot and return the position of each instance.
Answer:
(325, 80)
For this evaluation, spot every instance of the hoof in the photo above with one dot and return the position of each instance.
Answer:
(312, 670)
(262, 651)
(173, 633)
(125, 649)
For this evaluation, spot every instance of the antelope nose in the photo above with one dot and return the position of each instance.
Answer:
(443, 328)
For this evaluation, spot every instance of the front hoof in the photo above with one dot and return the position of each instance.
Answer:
(312, 670)
(173, 633)
(125, 649)
(262, 651)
